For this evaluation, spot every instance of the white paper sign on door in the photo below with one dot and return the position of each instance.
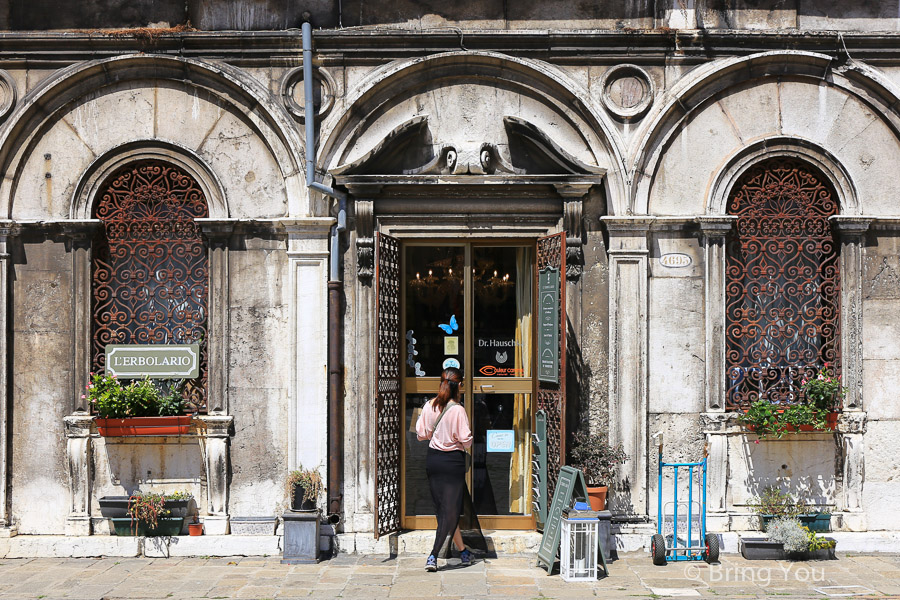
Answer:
(501, 440)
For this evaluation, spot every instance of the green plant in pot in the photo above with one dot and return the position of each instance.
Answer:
(304, 487)
(774, 503)
(598, 460)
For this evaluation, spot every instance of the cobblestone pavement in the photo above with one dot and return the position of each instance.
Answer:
(632, 576)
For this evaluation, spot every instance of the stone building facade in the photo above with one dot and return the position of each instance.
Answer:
(611, 143)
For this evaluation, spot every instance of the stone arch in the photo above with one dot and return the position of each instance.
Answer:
(92, 181)
(737, 165)
(366, 112)
(238, 108)
(710, 84)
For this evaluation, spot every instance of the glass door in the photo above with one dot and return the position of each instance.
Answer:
(472, 302)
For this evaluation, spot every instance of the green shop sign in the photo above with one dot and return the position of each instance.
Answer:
(156, 361)
(548, 327)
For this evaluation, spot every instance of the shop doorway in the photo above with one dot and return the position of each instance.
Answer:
(489, 306)
(472, 302)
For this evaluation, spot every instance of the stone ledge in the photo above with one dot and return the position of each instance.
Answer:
(59, 546)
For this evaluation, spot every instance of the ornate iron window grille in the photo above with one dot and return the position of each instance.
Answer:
(150, 266)
(782, 286)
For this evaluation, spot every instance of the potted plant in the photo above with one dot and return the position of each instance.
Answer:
(774, 503)
(137, 408)
(304, 487)
(148, 515)
(819, 399)
(195, 528)
(788, 539)
(598, 460)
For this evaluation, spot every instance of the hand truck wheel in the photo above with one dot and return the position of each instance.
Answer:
(658, 550)
(712, 548)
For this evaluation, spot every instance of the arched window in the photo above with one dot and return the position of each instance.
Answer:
(150, 266)
(782, 282)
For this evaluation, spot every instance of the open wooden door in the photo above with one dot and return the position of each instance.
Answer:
(387, 385)
(551, 349)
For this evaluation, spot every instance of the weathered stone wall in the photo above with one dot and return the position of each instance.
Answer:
(41, 375)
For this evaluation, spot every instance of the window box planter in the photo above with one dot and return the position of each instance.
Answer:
(830, 420)
(133, 426)
(818, 522)
(763, 549)
(116, 507)
(167, 526)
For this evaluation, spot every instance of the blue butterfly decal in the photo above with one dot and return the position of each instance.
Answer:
(453, 326)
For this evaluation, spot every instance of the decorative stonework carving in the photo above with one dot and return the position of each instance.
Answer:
(365, 241)
(574, 226)
(78, 455)
(8, 94)
(627, 92)
(292, 92)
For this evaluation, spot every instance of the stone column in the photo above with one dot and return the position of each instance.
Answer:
(216, 434)
(308, 255)
(628, 273)
(7, 229)
(714, 230)
(218, 234)
(851, 232)
(78, 455)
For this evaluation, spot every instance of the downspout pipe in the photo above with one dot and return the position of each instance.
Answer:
(335, 287)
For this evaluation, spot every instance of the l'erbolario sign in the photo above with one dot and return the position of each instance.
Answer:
(156, 361)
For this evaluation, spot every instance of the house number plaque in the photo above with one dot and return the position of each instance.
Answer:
(548, 332)
(156, 361)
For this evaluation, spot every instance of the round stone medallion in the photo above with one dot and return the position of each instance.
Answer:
(627, 91)
(292, 91)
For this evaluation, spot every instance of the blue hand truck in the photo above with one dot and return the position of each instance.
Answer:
(685, 524)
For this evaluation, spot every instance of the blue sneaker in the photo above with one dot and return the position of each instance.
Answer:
(465, 558)
(431, 564)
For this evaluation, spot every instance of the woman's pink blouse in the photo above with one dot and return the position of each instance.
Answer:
(453, 432)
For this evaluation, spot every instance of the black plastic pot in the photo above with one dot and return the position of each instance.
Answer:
(298, 503)
(114, 507)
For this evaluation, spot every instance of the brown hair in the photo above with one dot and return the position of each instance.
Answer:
(449, 390)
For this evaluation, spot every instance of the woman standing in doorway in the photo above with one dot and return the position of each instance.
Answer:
(443, 421)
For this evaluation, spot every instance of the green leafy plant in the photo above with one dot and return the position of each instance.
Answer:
(179, 495)
(818, 543)
(778, 503)
(824, 391)
(147, 508)
(309, 479)
(140, 398)
(596, 457)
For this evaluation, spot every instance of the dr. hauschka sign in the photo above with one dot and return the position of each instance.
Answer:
(156, 361)
(548, 332)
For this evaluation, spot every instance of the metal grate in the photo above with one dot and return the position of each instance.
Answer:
(551, 252)
(782, 286)
(150, 266)
(387, 416)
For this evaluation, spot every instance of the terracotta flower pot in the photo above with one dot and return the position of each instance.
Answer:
(195, 528)
(144, 426)
(597, 497)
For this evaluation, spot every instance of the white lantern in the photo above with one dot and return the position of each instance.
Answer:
(578, 552)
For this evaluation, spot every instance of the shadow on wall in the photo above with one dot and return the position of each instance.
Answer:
(804, 467)
(123, 466)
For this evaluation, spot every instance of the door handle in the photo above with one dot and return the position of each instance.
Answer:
(484, 388)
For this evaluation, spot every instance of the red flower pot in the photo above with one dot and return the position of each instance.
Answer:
(195, 528)
(144, 426)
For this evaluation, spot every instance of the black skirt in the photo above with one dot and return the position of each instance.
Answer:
(447, 481)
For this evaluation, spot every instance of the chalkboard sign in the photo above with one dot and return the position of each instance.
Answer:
(548, 327)
(569, 486)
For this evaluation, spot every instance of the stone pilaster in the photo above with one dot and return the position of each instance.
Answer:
(628, 273)
(715, 230)
(78, 456)
(218, 234)
(308, 428)
(80, 234)
(216, 432)
(851, 233)
(7, 229)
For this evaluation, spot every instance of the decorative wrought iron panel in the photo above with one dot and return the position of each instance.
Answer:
(551, 252)
(387, 385)
(150, 266)
(782, 286)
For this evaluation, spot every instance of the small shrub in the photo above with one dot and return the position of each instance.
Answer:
(773, 501)
(792, 535)
(596, 458)
(311, 482)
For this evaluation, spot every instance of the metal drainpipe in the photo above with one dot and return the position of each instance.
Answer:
(335, 285)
